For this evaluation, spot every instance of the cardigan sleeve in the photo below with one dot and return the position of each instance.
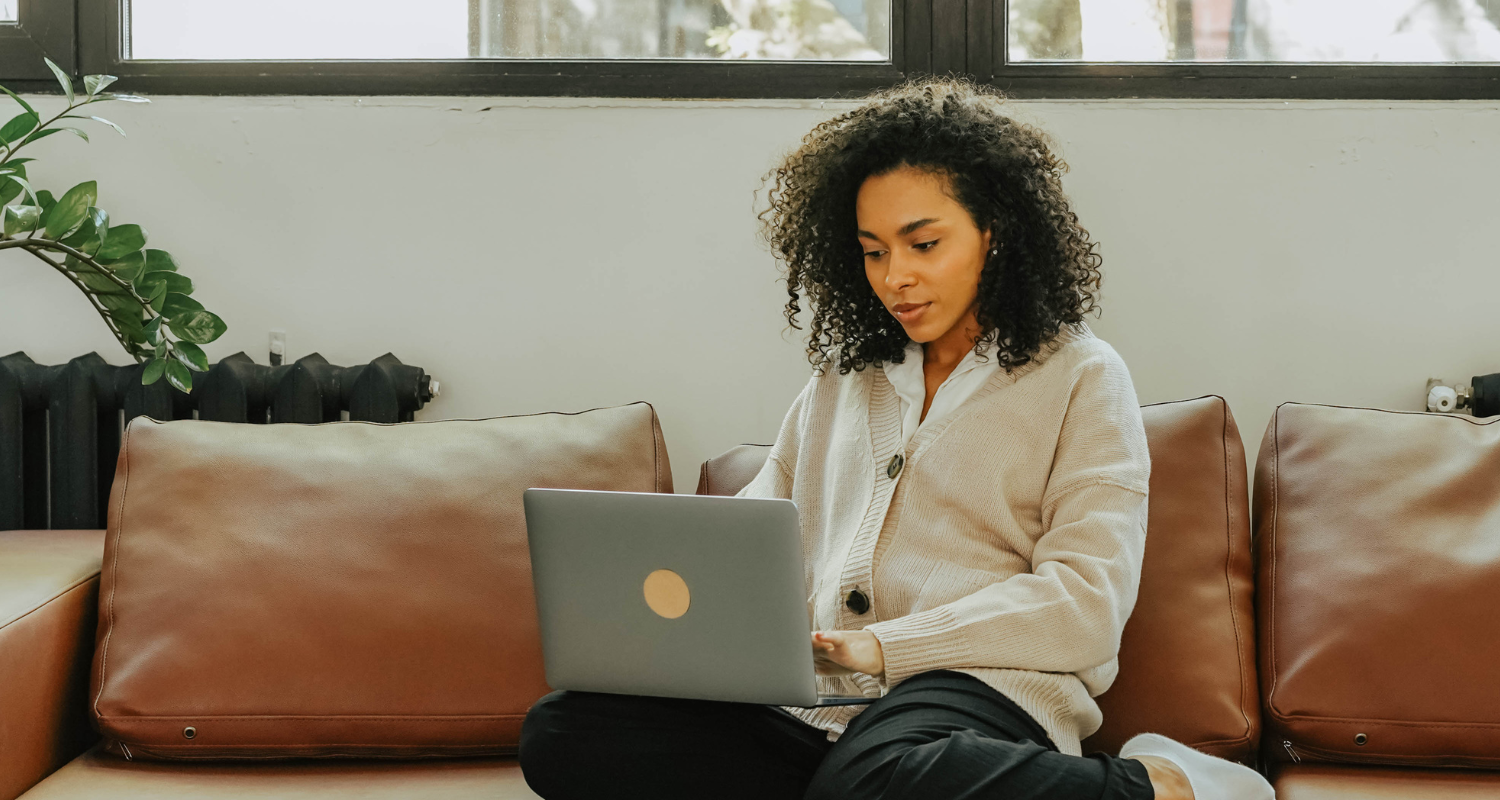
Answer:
(1067, 614)
(775, 477)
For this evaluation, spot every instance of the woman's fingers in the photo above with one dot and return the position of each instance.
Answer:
(831, 645)
(856, 651)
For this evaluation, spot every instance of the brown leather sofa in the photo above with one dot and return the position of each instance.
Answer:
(1190, 667)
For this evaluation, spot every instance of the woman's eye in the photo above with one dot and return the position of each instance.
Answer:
(926, 245)
(875, 254)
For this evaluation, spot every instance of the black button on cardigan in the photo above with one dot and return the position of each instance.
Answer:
(857, 602)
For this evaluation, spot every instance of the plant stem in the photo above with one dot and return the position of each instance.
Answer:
(38, 248)
(35, 245)
(93, 301)
(11, 151)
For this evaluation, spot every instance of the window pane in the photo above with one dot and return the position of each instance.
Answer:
(8, 10)
(1292, 31)
(852, 30)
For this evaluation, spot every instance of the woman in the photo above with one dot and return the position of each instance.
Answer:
(971, 473)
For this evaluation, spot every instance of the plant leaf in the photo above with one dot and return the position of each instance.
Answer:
(97, 283)
(44, 199)
(123, 240)
(160, 260)
(10, 188)
(127, 98)
(130, 268)
(79, 132)
(117, 128)
(198, 327)
(153, 371)
(176, 304)
(22, 186)
(100, 218)
(19, 126)
(88, 242)
(18, 99)
(95, 84)
(120, 305)
(178, 376)
(20, 219)
(62, 79)
(65, 217)
(91, 234)
(85, 230)
(152, 282)
(131, 327)
(153, 331)
(191, 356)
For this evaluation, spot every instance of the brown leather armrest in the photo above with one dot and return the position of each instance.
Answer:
(49, 590)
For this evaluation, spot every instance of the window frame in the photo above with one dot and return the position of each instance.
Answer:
(100, 34)
(44, 29)
(1234, 80)
(927, 37)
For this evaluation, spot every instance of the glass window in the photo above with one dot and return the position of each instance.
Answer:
(845, 30)
(1285, 31)
(8, 11)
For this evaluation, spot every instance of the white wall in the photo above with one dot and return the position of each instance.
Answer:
(552, 254)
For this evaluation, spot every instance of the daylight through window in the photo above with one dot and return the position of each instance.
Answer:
(844, 30)
(1276, 31)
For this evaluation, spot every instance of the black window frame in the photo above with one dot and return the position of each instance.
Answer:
(100, 35)
(44, 29)
(927, 37)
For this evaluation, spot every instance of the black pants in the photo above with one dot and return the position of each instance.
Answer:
(939, 736)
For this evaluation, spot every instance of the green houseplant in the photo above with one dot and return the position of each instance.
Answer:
(139, 292)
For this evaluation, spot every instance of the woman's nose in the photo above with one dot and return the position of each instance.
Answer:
(899, 276)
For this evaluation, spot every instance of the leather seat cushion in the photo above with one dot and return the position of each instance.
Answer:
(98, 775)
(1349, 782)
(49, 594)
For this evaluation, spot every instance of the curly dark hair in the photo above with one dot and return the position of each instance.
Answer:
(1046, 273)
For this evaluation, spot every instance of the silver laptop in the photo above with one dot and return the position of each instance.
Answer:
(673, 596)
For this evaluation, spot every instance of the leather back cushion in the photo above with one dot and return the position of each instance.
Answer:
(345, 589)
(1187, 659)
(1378, 550)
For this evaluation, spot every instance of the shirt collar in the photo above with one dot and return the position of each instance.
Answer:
(915, 354)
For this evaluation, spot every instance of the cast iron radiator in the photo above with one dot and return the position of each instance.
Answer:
(60, 426)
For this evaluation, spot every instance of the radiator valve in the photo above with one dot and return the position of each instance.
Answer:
(1442, 398)
(1481, 396)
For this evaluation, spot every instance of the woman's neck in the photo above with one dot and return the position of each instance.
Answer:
(943, 353)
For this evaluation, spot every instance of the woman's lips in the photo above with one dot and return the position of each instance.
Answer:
(909, 312)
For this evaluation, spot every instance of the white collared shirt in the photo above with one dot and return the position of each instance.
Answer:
(911, 386)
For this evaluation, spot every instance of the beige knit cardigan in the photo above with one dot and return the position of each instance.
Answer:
(1007, 545)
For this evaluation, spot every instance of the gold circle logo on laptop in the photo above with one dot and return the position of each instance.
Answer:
(667, 593)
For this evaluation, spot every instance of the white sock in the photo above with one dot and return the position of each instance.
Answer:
(1211, 777)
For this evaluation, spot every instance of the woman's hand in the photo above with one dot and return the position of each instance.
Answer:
(846, 652)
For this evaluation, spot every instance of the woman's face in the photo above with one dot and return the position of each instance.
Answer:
(923, 254)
